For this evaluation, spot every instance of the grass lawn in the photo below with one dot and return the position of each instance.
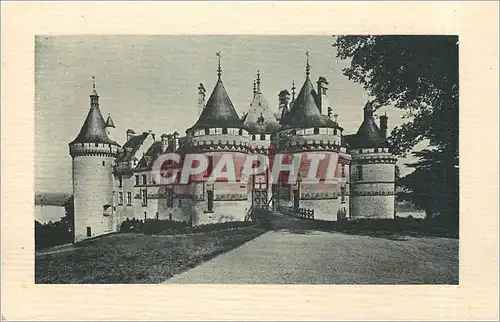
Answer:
(136, 258)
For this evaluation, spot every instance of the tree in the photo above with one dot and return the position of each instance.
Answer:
(419, 75)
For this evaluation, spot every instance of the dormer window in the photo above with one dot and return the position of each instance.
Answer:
(97, 145)
(224, 131)
(207, 131)
(240, 132)
(144, 179)
(334, 131)
(262, 136)
(253, 137)
(316, 131)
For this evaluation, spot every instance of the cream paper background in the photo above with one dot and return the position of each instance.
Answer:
(475, 298)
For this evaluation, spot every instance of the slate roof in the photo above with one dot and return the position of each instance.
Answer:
(131, 146)
(109, 122)
(260, 119)
(305, 111)
(94, 129)
(369, 134)
(219, 111)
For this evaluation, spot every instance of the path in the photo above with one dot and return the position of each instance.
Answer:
(294, 254)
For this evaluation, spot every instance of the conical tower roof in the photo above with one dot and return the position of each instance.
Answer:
(260, 118)
(109, 122)
(305, 111)
(219, 110)
(369, 134)
(94, 127)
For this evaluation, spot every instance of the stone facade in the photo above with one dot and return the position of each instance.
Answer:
(112, 183)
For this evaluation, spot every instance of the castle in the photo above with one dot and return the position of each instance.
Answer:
(112, 182)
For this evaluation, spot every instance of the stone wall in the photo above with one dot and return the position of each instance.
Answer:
(93, 190)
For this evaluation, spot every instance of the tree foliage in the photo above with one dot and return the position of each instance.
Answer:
(419, 75)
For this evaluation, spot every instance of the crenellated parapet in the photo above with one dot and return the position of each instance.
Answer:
(93, 149)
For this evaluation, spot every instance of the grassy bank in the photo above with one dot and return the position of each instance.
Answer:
(137, 258)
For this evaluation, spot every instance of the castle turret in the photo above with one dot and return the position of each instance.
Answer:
(372, 171)
(306, 133)
(93, 154)
(110, 127)
(219, 133)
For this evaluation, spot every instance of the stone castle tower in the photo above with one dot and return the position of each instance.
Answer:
(373, 169)
(93, 154)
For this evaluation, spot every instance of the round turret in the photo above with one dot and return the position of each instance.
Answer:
(93, 154)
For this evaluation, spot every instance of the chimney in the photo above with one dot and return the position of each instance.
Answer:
(201, 98)
(175, 141)
(383, 125)
(130, 134)
(284, 99)
(164, 142)
(322, 99)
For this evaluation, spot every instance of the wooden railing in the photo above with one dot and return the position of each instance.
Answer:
(298, 212)
(248, 216)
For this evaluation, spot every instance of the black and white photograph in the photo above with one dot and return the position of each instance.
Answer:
(246, 159)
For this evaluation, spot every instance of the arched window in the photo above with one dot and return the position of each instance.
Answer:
(262, 137)
(207, 130)
(253, 137)
(103, 163)
(334, 131)
(376, 150)
(316, 131)
(360, 151)
(240, 132)
(224, 131)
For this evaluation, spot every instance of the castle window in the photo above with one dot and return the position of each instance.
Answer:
(224, 131)
(180, 202)
(334, 131)
(120, 198)
(359, 172)
(360, 151)
(89, 232)
(294, 132)
(129, 198)
(342, 194)
(144, 179)
(376, 150)
(240, 132)
(103, 163)
(136, 180)
(343, 170)
(253, 137)
(120, 182)
(316, 131)
(207, 130)
(144, 197)
(97, 145)
(262, 136)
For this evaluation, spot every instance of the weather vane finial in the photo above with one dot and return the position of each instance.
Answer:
(293, 90)
(308, 67)
(258, 80)
(219, 70)
(93, 81)
(254, 87)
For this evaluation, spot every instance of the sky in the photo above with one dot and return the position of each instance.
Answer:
(150, 83)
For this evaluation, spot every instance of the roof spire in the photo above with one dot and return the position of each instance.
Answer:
(293, 90)
(308, 67)
(94, 97)
(219, 70)
(254, 87)
(258, 81)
